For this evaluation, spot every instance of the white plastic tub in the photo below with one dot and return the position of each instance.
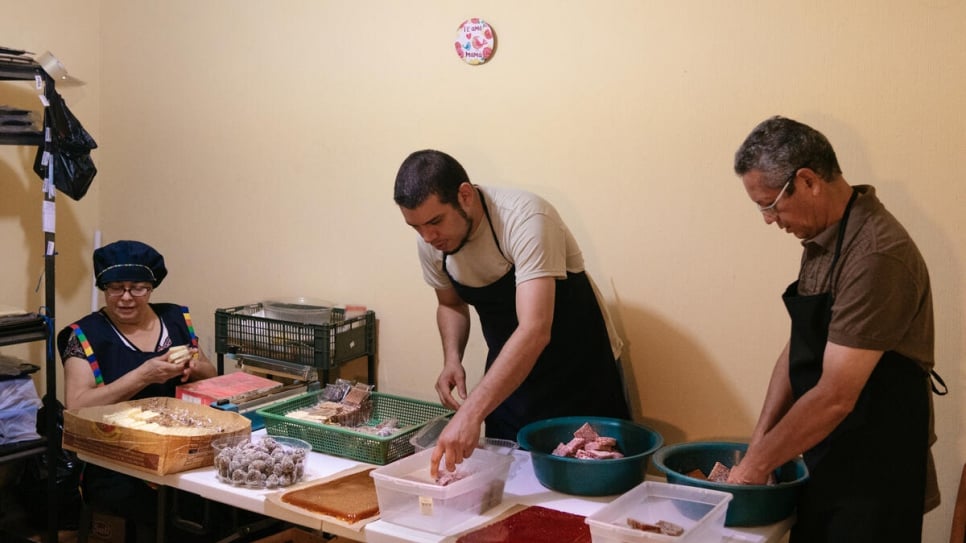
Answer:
(701, 512)
(409, 497)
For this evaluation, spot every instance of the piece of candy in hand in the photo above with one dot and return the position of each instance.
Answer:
(179, 354)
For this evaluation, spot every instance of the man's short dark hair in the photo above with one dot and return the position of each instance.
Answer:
(428, 172)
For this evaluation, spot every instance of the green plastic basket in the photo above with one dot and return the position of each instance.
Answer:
(347, 443)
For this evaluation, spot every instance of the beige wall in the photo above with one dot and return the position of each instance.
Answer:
(72, 32)
(255, 144)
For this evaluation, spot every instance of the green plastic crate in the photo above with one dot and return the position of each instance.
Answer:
(345, 442)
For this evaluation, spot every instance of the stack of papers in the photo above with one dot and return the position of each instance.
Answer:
(16, 121)
(19, 325)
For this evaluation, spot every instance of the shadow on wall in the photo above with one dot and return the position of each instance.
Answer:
(675, 387)
(19, 203)
(23, 200)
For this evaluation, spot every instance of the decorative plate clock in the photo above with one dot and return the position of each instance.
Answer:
(475, 41)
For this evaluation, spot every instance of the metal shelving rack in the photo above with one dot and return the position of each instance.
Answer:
(27, 70)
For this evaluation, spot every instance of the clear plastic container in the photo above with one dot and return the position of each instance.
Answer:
(300, 309)
(408, 496)
(499, 446)
(427, 436)
(701, 512)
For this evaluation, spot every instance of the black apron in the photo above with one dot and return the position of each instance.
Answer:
(575, 375)
(110, 359)
(868, 477)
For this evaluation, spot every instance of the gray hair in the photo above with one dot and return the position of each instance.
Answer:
(778, 147)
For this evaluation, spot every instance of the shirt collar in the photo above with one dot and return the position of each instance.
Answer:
(825, 240)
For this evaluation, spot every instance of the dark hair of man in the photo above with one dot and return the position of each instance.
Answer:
(779, 146)
(428, 172)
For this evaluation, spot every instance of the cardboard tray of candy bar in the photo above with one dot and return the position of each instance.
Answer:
(159, 435)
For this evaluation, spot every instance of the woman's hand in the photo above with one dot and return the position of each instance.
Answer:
(160, 369)
(191, 365)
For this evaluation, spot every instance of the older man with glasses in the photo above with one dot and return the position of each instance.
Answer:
(851, 389)
(122, 352)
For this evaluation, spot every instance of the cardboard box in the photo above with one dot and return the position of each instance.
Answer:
(236, 387)
(85, 430)
(106, 528)
(295, 535)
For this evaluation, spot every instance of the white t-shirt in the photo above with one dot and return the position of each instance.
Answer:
(532, 237)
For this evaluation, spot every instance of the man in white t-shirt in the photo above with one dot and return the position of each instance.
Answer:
(552, 349)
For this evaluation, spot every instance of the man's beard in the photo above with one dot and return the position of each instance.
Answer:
(466, 237)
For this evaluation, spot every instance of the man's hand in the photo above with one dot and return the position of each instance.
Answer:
(452, 377)
(457, 441)
(743, 474)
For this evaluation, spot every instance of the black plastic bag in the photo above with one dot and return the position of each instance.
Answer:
(73, 172)
(65, 130)
(67, 473)
(69, 147)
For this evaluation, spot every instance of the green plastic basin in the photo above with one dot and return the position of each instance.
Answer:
(589, 477)
(752, 505)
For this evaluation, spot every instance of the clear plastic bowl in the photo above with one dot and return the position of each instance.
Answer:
(260, 462)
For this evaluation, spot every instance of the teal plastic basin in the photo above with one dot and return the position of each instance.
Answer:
(589, 477)
(751, 505)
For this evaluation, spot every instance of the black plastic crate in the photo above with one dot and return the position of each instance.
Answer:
(325, 346)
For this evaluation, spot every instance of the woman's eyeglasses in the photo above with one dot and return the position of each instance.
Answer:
(136, 291)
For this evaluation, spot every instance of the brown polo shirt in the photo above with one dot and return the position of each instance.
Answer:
(881, 291)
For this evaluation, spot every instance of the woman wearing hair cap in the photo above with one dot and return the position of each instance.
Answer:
(124, 352)
(120, 352)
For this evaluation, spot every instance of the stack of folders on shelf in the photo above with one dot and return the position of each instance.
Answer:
(16, 121)
(16, 324)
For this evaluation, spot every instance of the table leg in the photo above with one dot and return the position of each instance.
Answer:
(162, 513)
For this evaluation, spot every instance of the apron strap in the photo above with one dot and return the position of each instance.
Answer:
(191, 328)
(933, 379)
(486, 211)
(89, 352)
(840, 239)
